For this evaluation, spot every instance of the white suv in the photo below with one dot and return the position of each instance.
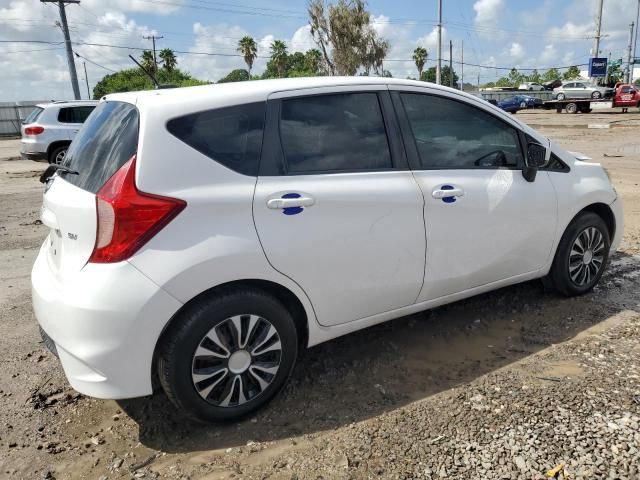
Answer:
(207, 234)
(50, 127)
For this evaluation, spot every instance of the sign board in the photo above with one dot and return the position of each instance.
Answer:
(598, 67)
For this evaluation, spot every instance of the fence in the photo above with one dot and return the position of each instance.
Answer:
(12, 114)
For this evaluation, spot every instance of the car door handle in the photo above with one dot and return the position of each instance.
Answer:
(447, 193)
(276, 203)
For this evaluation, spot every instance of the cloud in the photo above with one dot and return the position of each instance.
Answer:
(488, 12)
(516, 51)
(301, 41)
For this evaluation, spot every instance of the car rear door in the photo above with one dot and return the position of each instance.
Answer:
(72, 118)
(103, 145)
(485, 223)
(336, 208)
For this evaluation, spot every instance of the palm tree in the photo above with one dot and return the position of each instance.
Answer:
(279, 55)
(147, 61)
(420, 57)
(169, 60)
(313, 59)
(248, 47)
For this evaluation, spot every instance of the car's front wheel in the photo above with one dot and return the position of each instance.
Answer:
(227, 355)
(582, 255)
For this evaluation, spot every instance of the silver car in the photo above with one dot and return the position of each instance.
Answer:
(581, 90)
(49, 128)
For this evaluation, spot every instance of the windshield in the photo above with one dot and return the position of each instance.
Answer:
(33, 116)
(108, 138)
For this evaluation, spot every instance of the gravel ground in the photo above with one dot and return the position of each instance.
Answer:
(507, 385)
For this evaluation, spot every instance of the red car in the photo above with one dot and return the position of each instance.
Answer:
(626, 95)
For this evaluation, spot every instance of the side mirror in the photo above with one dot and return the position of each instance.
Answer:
(536, 158)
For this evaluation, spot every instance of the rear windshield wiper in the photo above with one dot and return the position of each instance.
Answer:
(51, 169)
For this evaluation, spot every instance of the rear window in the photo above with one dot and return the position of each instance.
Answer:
(74, 114)
(231, 136)
(33, 116)
(107, 140)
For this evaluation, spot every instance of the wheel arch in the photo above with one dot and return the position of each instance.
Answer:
(58, 143)
(603, 211)
(289, 299)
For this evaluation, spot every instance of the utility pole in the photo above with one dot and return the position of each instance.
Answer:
(628, 74)
(67, 43)
(462, 65)
(451, 63)
(635, 41)
(439, 63)
(86, 79)
(153, 39)
(596, 39)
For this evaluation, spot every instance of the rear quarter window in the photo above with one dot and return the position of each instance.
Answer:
(232, 136)
(106, 141)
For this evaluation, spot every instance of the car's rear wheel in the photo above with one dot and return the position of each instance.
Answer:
(582, 255)
(57, 154)
(596, 94)
(560, 96)
(227, 355)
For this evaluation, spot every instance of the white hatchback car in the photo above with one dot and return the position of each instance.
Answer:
(205, 235)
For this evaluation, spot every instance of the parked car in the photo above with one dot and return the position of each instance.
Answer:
(531, 86)
(49, 129)
(553, 84)
(581, 90)
(207, 234)
(518, 102)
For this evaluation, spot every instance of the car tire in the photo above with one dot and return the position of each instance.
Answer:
(204, 346)
(574, 272)
(596, 95)
(57, 154)
(560, 96)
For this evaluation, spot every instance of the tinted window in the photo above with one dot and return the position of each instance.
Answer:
(33, 116)
(105, 142)
(452, 134)
(343, 132)
(626, 89)
(74, 114)
(231, 136)
(570, 85)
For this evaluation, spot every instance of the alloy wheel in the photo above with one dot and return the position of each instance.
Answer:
(236, 360)
(60, 157)
(586, 257)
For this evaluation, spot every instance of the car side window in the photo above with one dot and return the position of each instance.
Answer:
(231, 136)
(74, 114)
(579, 85)
(336, 132)
(451, 134)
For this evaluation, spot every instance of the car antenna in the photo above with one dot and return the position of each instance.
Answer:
(153, 79)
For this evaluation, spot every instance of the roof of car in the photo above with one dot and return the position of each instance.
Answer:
(261, 89)
(68, 103)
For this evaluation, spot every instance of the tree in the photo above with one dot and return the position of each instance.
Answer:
(515, 77)
(420, 58)
(168, 58)
(237, 75)
(133, 79)
(534, 77)
(147, 61)
(373, 54)
(503, 82)
(345, 37)
(279, 56)
(572, 73)
(313, 59)
(551, 75)
(248, 48)
(429, 75)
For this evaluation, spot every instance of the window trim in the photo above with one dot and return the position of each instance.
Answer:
(273, 161)
(411, 147)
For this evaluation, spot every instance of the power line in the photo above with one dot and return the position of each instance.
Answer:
(94, 63)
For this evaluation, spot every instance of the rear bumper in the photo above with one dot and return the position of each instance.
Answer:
(32, 150)
(104, 322)
(35, 156)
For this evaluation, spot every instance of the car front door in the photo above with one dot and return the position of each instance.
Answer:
(485, 223)
(336, 207)
(581, 91)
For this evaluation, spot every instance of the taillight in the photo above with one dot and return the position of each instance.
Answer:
(35, 130)
(127, 217)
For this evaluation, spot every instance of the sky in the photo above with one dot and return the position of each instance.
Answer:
(204, 33)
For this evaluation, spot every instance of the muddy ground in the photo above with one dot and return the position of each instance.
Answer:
(505, 385)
